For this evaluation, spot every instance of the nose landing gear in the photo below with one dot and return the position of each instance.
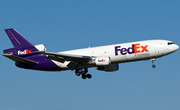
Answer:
(153, 65)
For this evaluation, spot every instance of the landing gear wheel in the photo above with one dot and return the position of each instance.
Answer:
(78, 72)
(83, 76)
(89, 76)
(153, 66)
(83, 73)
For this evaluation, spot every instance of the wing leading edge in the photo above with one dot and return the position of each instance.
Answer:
(65, 57)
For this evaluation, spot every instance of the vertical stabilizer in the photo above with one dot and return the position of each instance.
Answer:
(17, 39)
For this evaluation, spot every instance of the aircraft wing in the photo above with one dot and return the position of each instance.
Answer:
(65, 57)
(19, 59)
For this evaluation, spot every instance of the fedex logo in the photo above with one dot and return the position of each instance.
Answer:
(103, 60)
(136, 48)
(24, 52)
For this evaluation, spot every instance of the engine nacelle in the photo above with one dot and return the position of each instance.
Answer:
(41, 47)
(109, 68)
(102, 61)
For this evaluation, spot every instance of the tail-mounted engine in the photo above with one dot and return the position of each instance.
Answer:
(41, 47)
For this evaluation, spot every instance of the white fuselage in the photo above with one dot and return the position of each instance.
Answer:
(126, 52)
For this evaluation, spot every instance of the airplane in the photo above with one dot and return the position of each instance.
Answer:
(105, 58)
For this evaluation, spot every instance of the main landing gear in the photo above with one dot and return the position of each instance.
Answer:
(153, 65)
(82, 72)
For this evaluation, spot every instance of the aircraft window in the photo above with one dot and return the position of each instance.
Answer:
(170, 43)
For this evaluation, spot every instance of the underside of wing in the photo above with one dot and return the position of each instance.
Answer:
(65, 57)
(19, 59)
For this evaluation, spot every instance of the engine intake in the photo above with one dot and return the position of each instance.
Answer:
(41, 47)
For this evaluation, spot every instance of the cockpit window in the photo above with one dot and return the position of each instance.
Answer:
(170, 43)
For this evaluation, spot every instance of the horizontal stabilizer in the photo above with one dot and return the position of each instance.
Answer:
(19, 59)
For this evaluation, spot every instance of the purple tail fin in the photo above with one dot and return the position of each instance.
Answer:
(22, 47)
(17, 39)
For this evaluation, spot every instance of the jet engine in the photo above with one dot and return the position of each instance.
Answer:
(41, 47)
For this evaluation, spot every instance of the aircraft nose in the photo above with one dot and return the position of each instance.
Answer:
(176, 47)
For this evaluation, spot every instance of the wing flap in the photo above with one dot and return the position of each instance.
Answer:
(19, 59)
